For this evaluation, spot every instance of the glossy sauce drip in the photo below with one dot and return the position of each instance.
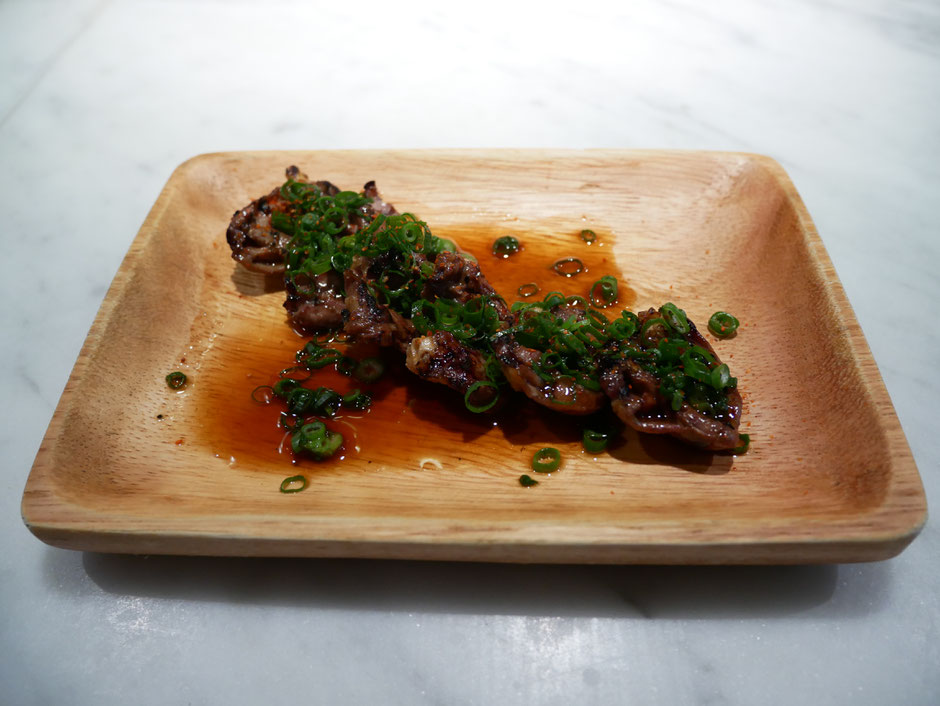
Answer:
(405, 408)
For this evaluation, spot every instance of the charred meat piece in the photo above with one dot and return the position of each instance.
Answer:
(365, 319)
(459, 279)
(255, 243)
(377, 206)
(704, 410)
(319, 306)
(439, 357)
(432, 304)
(293, 217)
(539, 370)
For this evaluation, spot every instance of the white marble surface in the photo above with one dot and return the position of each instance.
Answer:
(99, 101)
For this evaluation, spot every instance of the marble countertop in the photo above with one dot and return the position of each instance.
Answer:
(100, 101)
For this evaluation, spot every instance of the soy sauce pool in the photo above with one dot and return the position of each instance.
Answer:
(535, 261)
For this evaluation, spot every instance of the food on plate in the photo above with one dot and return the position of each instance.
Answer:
(723, 324)
(665, 378)
(294, 484)
(352, 264)
(546, 460)
(292, 232)
(176, 380)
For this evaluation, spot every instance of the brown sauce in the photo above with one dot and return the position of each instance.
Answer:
(405, 408)
(534, 262)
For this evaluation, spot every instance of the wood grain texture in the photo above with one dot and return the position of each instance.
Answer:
(128, 466)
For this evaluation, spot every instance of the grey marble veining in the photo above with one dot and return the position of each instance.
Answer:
(100, 101)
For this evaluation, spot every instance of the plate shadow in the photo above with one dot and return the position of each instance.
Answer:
(686, 592)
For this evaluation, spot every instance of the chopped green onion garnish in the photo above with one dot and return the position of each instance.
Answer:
(176, 380)
(546, 460)
(527, 481)
(316, 356)
(369, 370)
(479, 384)
(326, 402)
(675, 317)
(568, 267)
(694, 368)
(745, 444)
(588, 236)
(300, 400)
(316, 440)
(721, 378)
(650, 323)
(576, 300)
(282, 222)
(594, 441)
(505, 246)
(357, 400)
(528, 290)
(346, 365)
(289, 485)
(553, 299)
(262, 394)
(283, 386)
(604, 291)
(723, 324)
(621, 329)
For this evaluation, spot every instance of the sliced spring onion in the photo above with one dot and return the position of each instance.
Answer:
(604, 291)
(527, 481)
(300, 400)
(298, 373)
(695, 368)
(546, 460)
(745, 444)
(357, 399)
(369, 370)
(597, 319)
(721, 377)
(289, 485)
(588, 236)
(723, 324)
(282, 222)
(326, 402)
(283, 387)
(576, 300)
(505, 246)
(314, 356)
(346, 365)
(479, 384)
(316, 440)
(262, 394)
(594, 441)
(621, 329)
(568, 267)
(176, 380)
(675, 317)
(650, 323)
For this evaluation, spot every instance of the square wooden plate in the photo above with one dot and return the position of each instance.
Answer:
(129, 466)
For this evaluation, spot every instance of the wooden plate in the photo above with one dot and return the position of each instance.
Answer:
(128, 465)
